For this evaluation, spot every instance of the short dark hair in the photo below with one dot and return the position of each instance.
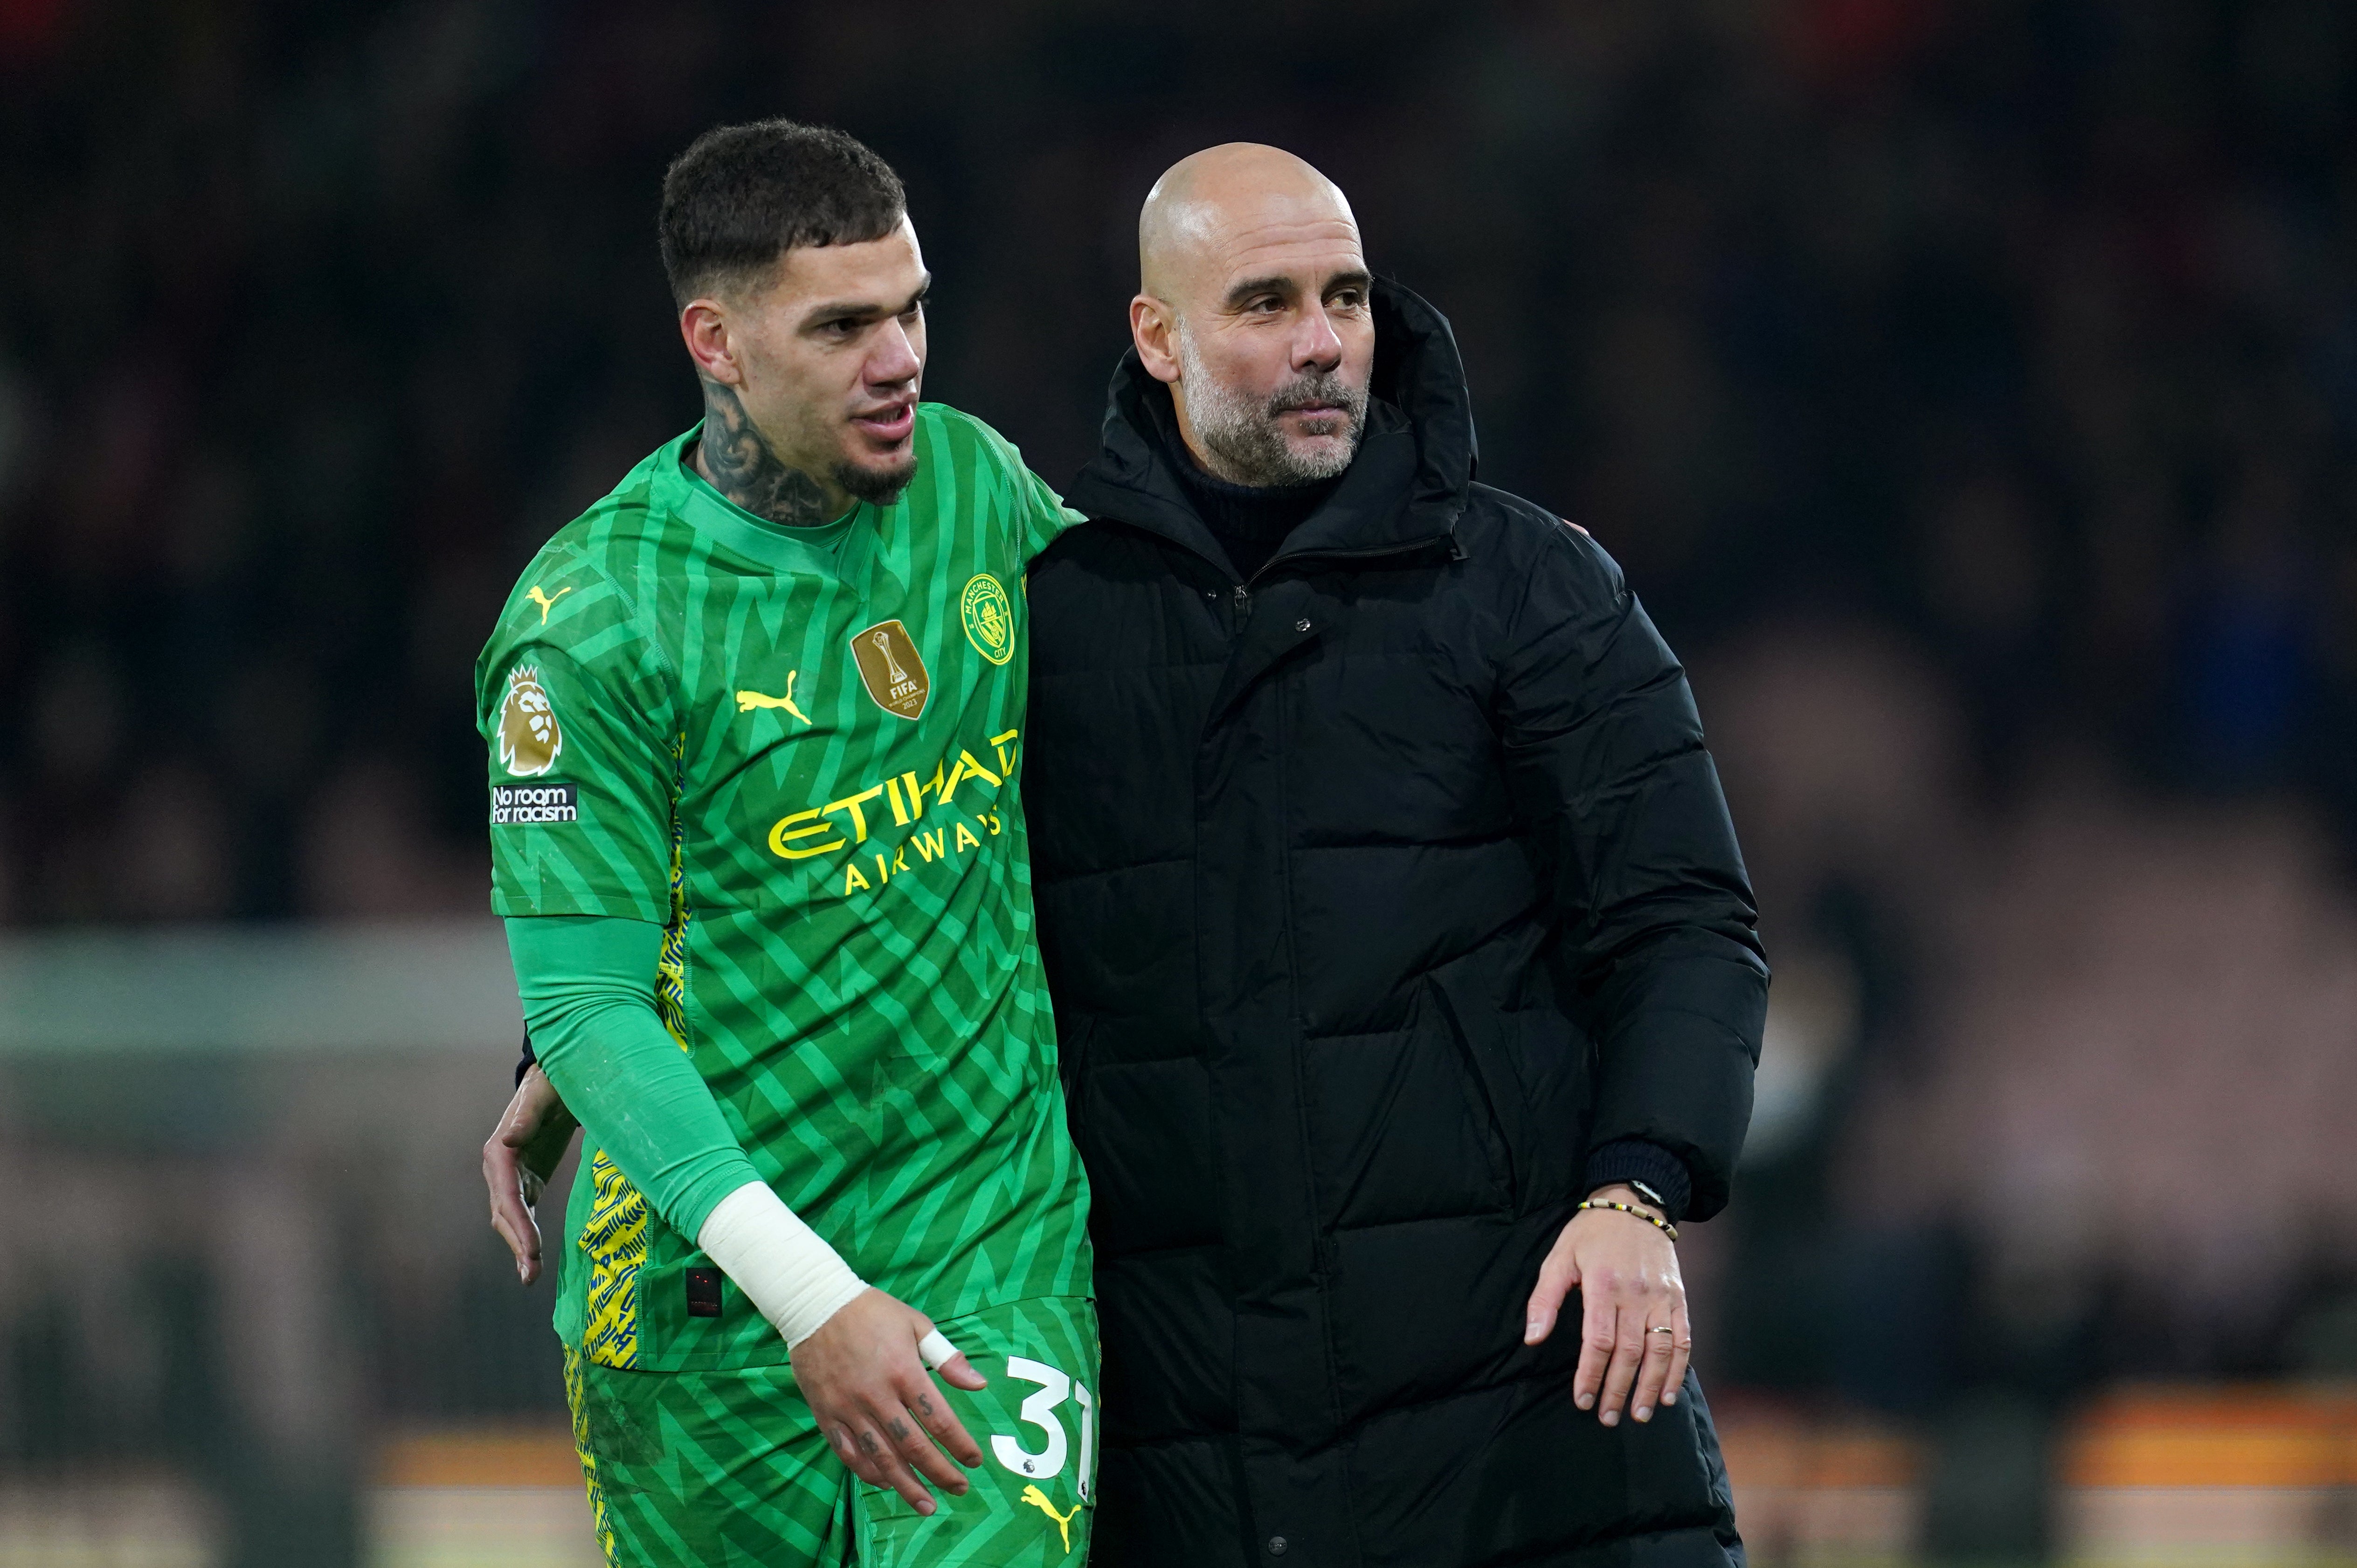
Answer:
(743, 195)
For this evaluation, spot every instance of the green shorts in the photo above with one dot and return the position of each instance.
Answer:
(715, 1469)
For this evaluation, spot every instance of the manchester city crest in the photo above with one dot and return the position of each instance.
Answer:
(989, 620)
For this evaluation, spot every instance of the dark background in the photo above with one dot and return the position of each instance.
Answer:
(2026, 328)
(1968, 387)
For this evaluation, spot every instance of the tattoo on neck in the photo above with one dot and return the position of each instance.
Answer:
(741, 466)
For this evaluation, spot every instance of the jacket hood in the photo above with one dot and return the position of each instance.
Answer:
(1405, 488)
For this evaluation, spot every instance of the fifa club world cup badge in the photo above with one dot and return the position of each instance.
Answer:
(530, 741)
(890, 670)
(989, 618)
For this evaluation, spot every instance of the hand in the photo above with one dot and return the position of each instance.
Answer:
(1627, 1274)
(521, 1153)
(876, 1403)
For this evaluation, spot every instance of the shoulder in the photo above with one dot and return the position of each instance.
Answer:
(953, 429)
(970, 448)
(952, 434)
(581, 595)
(1520, 546)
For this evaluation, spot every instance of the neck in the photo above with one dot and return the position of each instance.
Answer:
(737, 460)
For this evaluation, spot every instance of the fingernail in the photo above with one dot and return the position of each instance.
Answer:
(927, 1508)
(1669, 1398)
(1586, 1401)
(1611, 1418)
(1531, 1332)
(1644, 1413)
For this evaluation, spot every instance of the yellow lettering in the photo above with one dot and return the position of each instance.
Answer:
(916, 791)
(892, 793)
(929, 845)
(976, 769)
(998, 743)
(957, 771)
(784, 830)
(883, 870)
(851, 879)
(900, 858)
(996, 827)
(964, 838)
(858, 817)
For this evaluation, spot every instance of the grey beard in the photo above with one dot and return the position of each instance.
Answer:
(1242, 431)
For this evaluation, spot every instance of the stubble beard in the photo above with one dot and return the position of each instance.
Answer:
(1243, 432)
(877, 486)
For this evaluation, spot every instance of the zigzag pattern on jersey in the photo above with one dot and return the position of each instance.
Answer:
(614, 1238)
(671, 970)
(577, 1395)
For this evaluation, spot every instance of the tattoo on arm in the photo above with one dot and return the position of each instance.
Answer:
(742, 466)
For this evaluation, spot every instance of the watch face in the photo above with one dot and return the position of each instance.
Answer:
(1647, 1193)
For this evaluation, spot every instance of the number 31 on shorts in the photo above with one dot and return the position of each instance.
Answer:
(1039, 1411)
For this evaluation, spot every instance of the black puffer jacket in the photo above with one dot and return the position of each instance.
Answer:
(1372, 894)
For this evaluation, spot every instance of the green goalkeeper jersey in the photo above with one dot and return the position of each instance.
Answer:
(797, 750)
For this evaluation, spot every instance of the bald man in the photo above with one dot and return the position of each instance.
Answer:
(1403, 957)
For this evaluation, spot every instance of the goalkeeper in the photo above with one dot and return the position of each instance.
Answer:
(754, 723)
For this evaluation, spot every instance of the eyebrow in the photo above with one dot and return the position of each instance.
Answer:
(865, 310)
(1279, 284)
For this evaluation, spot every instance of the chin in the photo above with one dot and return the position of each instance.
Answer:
(1321, 457)
(879, 483)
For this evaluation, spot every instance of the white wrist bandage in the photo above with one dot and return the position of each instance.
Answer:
(792, 1277)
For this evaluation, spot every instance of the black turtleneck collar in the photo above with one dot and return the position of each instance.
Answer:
(1251, 521)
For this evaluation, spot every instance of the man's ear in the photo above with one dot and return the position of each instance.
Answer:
(1153, 326)
(704, 325)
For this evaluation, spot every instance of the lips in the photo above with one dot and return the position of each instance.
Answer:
(889, 424)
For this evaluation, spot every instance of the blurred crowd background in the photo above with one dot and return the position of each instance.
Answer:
(1969, 387)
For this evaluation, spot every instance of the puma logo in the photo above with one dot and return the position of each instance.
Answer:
(545, 603)
(749, 700)
(1039, 1500)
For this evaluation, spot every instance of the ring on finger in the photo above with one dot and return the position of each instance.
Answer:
(1661, 1328)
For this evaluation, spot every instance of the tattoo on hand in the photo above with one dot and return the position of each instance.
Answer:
(742, 466)
(925, 1405)
(900, 1430)
(867, 1444)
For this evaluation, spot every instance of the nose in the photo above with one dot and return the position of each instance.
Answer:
(1317, 346)
(895, 356)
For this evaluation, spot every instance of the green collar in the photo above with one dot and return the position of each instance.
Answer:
(809, 550)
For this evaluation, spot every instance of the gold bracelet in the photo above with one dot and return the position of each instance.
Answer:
(1655, 1221)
